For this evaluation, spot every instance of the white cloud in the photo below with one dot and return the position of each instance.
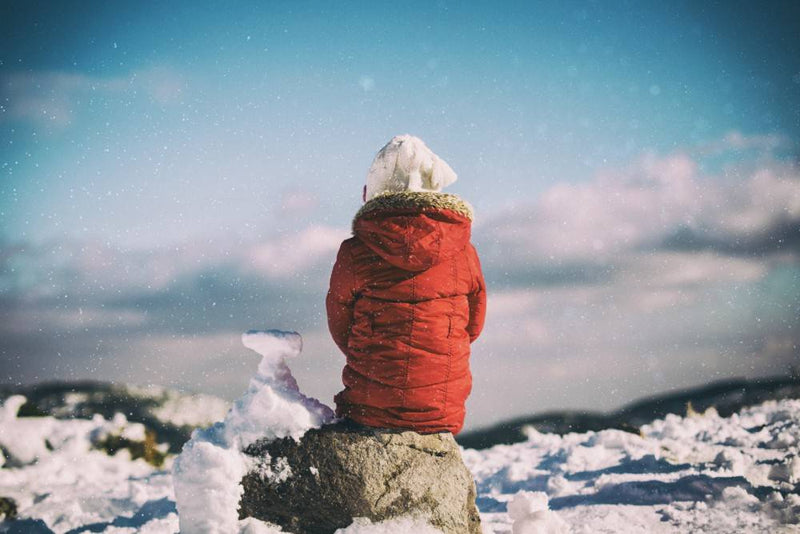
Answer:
(697, 281)
(653, 313)
(163, 84)
(367, 83)
(684, 270)
(299, 202)
(33, 320)
(770, 196)
(642, 206)
(53, 98)
(297, 252)
(737, 141)
(614, 212)
(666, 320)
(94, 270)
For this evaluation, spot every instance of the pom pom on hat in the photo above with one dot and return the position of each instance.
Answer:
(406, 164)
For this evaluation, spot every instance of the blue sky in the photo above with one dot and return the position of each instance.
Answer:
(171, 171)
(275, 97)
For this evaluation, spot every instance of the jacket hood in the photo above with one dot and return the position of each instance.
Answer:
(414, 230)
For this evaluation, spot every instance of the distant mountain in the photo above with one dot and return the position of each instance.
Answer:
(170, 414)
(727, 397)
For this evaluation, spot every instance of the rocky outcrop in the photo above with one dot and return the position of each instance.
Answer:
(339, 472)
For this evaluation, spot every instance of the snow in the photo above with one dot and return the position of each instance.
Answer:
(698, 473)
(530, 514)
(192, 410)
(402, 525)
(208, 472)
(57, 475)
(254, 526)
(28, 434)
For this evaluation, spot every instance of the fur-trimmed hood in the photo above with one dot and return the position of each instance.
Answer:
(414, 230)
(416, 200)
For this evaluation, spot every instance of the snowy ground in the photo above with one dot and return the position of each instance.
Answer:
(700, 473)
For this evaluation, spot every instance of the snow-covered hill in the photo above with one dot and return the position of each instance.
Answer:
(698, 473)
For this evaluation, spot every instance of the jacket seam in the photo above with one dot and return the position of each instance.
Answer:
(353, 292)
(454, 277)
(410, 340)
(469, 268)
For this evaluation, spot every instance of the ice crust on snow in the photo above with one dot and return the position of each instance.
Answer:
(208, 471)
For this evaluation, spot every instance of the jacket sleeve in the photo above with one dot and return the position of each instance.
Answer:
(341, 298)
(477, 298)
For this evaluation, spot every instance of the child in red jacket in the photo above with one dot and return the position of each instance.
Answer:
(407, 296)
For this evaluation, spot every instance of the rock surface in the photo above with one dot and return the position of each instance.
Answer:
(342, 471)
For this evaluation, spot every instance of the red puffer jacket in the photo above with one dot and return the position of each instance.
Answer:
(407, 297)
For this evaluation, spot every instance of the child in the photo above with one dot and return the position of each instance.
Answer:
(407, 296)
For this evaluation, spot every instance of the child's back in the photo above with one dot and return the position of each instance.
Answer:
(406, 300)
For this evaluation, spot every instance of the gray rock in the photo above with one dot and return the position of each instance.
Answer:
(343, 471)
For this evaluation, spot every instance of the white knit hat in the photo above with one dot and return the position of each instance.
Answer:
(406, 164)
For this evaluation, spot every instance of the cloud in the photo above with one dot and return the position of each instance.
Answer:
(170, 315)
(295, 253)
(737, 141)
(54, 99)
(653, 276)
(162, 84)
(666, 320)
(82, 293)
(617, 211)
(656, 275)
(367, 83)
(658, 202)
(30, 319)
(298, 202)
(88, 269)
